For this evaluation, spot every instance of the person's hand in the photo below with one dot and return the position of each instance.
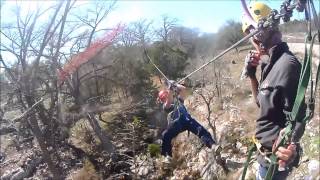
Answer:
(285, 154)
(251, 63)
(170, 84)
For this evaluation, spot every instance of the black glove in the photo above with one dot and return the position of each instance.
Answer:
(171, 84)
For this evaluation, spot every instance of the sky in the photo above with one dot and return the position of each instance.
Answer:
(206, 15)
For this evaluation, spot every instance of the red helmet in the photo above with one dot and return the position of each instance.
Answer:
(162, 95)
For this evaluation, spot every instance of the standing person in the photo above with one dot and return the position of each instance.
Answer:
(274, 94)
(179, 120)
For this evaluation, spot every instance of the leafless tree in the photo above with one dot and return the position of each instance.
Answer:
(134, 38)
(136, 34)
(28, 45)
(217, 78)
(167, 24)
(39, 50)
(142, 32)
(95, 16)
(208, 96)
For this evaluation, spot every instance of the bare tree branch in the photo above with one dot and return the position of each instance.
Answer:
(14, 79)
(45, 41)
(28, 111)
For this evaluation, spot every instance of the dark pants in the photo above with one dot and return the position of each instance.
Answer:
(185, 122)
(278, 175)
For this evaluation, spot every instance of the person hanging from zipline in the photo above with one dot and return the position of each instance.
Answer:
(275, 94)
(179, 119)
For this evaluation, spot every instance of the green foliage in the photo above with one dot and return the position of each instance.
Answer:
(142, 86)
(171, 61)
(127, 74)
(184, 38)
(154, 150)
(136, 122)
(246, 141)
(229, 34)
(317, 141)
(132, 73)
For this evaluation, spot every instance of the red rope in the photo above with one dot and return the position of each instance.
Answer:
(88, 53)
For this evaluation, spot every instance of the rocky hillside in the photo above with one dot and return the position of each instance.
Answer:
(233, 115)
(135, 131)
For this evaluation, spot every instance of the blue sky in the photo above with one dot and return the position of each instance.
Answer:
(206, 15)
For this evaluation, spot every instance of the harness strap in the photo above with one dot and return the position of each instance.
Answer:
(255, 146)
(252, 149)
(313, 85)
(303, 84)
(176, 106)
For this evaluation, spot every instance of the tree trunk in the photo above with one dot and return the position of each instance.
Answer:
(76, 90)
(45, 153)
(105, 141)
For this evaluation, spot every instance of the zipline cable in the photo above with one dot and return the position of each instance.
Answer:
(276, 17)
(251, 34)
(150, 60)
(221, 54)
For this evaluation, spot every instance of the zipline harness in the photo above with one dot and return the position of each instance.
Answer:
(170, 85)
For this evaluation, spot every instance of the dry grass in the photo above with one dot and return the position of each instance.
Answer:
(82, 136)
(86, 173)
